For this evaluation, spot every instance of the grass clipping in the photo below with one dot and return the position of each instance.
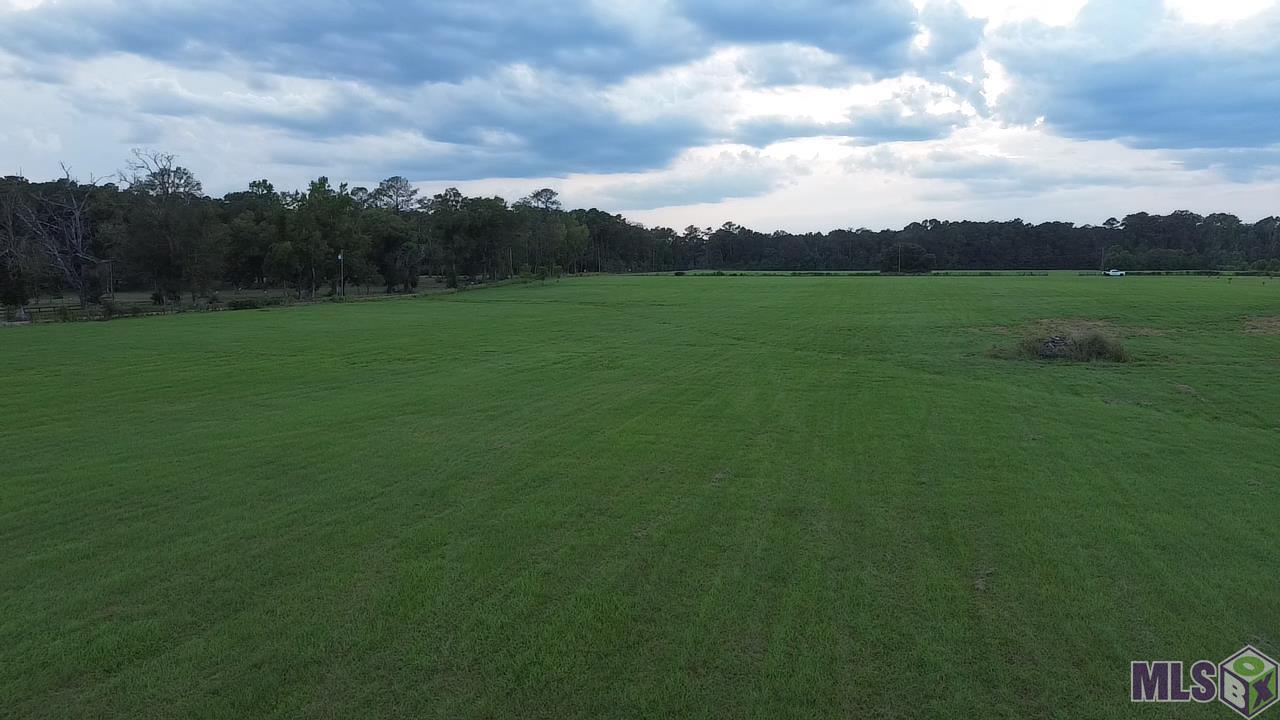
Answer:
(1078, 346)
(1262, 325)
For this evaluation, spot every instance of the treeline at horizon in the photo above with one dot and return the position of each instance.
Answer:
(153, 228)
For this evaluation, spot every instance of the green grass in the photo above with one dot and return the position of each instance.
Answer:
(639, 497)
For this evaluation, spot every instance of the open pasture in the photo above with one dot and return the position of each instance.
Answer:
(641, 497)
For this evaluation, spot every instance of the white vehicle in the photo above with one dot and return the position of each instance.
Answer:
(1115, 273)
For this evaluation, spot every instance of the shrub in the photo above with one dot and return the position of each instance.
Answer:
(167, 295)
(1088, 346)
(110, 308)
(244, 304)
(1091, 346)
(679, 273)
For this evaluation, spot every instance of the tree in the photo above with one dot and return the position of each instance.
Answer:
(325, 223)
(448, 229)
(544, 199)
(490, 229)
(395, 194)
(157, 174)
(576, 237)
(19, 261)
(58, 220)
(906, 257)
(256, 221)
(170, 229)
(281, 265)
(543, 229)
(162, 231)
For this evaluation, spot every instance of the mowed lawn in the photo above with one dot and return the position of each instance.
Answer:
(640, 497)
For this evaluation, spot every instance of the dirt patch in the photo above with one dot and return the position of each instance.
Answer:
(1188, 390)
(982, 579)
(1081, 325)
(1123, 401)
(1262, 325)
(995, 329)
(1068, 326)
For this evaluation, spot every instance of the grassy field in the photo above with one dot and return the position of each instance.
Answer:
(640, 497)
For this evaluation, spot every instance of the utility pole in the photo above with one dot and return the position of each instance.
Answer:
(899, 258)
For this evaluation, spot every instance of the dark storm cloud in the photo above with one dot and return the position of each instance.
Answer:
(442, 69)
(379, 42)
(871, 33)
(447, 40)
(554, 145)
(550, 143)
(1126, 71)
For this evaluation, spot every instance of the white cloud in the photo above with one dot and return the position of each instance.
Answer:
(1042, 113)
(999, 12)
(1218, 11)
(986, 171)
(1063, 12)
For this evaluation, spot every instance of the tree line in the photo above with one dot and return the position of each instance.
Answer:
(152, 227)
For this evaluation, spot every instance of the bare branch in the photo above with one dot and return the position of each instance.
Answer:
(59, 225)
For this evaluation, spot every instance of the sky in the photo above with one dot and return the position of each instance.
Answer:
(792, 115)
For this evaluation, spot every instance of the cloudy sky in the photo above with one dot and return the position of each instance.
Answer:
(798, 114)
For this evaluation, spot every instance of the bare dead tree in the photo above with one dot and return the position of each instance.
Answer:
(158, 175)
(60, 230)
(19, 262)
(13, 244)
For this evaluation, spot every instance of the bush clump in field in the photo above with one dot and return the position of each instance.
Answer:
(1088, 346)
